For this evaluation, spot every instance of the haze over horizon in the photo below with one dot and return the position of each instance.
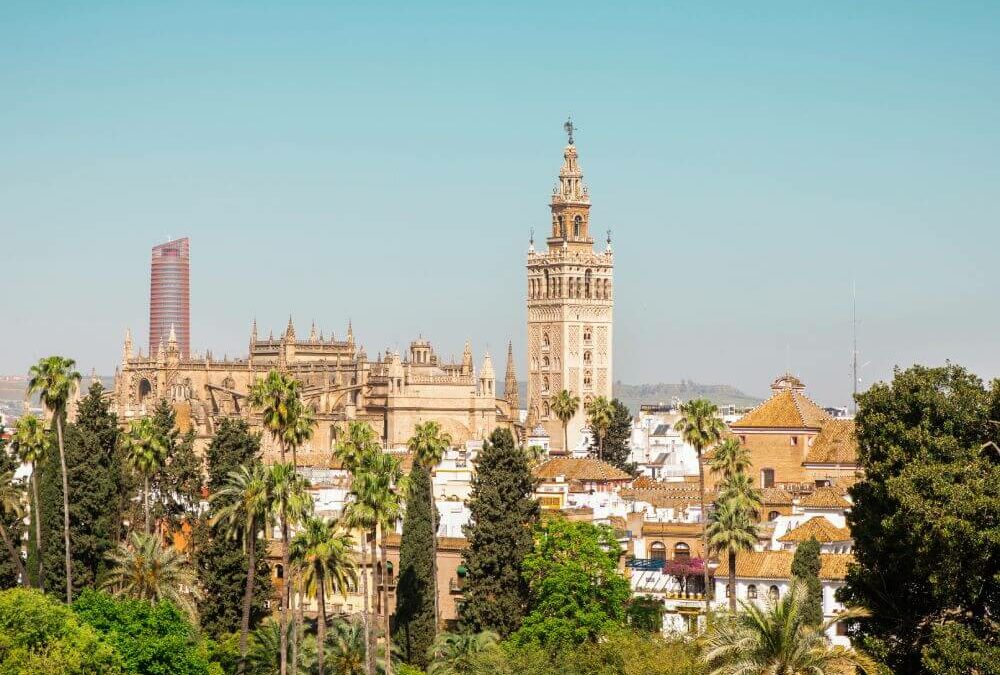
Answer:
(386, 166)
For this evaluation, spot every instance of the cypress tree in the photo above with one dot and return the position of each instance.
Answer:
(221, 562)
(805, 568)
(617, 440)
(15, 525)
(95, 485)
(414, 627)
(503, 516)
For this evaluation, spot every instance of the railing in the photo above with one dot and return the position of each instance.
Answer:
(646, 564)
(455, 585)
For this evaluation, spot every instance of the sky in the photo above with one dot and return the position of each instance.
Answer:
(385, 162)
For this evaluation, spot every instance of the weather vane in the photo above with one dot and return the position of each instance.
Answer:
(569, 129)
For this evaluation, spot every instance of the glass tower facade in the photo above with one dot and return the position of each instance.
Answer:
(169, 295)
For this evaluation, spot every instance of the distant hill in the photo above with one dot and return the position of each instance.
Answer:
(634, 395)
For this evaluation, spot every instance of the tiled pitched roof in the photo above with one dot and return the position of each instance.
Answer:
(775, 497)
(835, 444)
(825, 498)
(652, 529)
(778, 565)
(665, 499)
(786, 409)
(818, 528)
(393, 540)
(588, 470)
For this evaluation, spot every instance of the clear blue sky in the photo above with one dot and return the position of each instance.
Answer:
(386, 163)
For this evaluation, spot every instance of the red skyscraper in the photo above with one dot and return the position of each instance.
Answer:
(169, 295)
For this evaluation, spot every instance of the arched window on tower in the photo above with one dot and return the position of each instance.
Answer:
(577, 223)
(545, 340)
(561, 231)
(545, 362)
(547, 284)
(586, 284)
(587, 357)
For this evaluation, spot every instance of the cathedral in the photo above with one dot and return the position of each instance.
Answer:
(569, 309)
(569, 347)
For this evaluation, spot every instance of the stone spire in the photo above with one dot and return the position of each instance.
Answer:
(253, 331)
(290, 330)
(467, 359)
(350, 333)
(487, 378)
(172, 337)
(313, 336)
(127, 347)
(510, 382)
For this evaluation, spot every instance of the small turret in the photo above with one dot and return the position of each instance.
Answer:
(253, 331)
(313, 336)
(487, 378)
(290, 330)
(127, 347)
(350, 333)
(467, 359)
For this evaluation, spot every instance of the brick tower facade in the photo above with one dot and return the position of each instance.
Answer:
(569, 308)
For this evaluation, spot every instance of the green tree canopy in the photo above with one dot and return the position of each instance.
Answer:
(13, 523)
(150, 638)
(577, 593)
(503, 511)
(39, 634)
(926, 518)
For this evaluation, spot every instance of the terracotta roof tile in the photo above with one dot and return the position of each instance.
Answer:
(778, 565)
(826, 498)
(786, 409)
(587, 470)
(818, 528)
(776, 497)
(835, 444)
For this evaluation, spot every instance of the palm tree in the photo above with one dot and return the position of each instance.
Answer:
(264, 657)
(731, 529)
(778, 639)
(247, 507)
(12, 504)
(323, 553)
(145, 452)
(701, 427)
(277, 398)
(730, 458)
(375, 506)
(55, 379)
(600, 414)
(457, 653)
(144, 570)
(358, 443)
(32, 442)
(347, 644)
(299, 430)
(292, 502)
(428, 444)
(564, 406)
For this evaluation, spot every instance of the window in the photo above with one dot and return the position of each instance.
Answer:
(279, 571)
(682, 551)
(751, 592)
(561, 228)
(586, 357)
(773, 515)
(545, 339)
(658, 551)
(587, 378)
(577, 221)
(743, 440)
(545, 386)
(545, 362)
(729, 590)
(587, 333)
(767, 478)
(545, 407)
(773, 593)
(795, 440)
(586, 284)
(841, 628)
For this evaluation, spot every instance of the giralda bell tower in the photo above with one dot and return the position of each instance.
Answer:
(569, 308)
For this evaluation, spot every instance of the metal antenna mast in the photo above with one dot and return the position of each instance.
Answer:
(854, 356)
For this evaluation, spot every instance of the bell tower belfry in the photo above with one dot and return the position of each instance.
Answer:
(569, 308)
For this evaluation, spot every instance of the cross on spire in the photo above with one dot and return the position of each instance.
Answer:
(569, 129)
